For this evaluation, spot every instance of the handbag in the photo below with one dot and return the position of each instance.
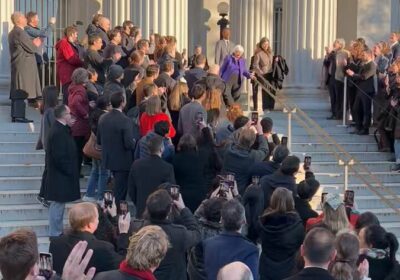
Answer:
(91, 149)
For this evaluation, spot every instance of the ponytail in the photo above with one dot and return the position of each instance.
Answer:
(342, 270)
(393, 246)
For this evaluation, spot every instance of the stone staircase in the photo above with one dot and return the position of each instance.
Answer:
(21, 166)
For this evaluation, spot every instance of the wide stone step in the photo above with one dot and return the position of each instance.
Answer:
(23, 196)
(40, 227)
(365, 190)
(342, 138)
(20, 127)
(26, 183)
(338, 178)
(18, 136)
(28, 170)
(17, 147)
(317, 147)
(19, 212)
(334, 167)
(36, 157)
(359, 156)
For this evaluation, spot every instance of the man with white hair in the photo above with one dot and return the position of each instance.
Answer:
(104, 27)
(24, 73)
(235, 271)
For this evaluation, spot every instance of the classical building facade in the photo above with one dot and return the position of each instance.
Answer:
(298, 29)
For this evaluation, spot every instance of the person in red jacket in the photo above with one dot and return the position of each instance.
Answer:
(67, 59)
(79, 106)
(152, 115)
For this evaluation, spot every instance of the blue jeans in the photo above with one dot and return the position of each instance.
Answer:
(56, 217)
(97, 180)
(397, 150)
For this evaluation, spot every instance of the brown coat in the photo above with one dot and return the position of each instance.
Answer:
(262, 63)
(140, 87)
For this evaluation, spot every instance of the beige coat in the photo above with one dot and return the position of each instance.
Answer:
(262, 63)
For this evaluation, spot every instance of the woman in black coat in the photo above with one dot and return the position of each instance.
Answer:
(379, 248)
(281, 232)
(189, 166)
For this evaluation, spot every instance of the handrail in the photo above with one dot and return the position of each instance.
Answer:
(325, 137)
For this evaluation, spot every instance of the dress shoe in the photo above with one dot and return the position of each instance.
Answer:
(331, 117)
(395, 168)
(355, 131)
(21, 120)
(363, 132)
(384, 150)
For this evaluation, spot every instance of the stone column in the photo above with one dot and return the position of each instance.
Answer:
(250, 20)
(308, 26)
(166, 17)
(7, 8)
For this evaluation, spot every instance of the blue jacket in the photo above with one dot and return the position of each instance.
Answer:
(229, 247)
(142, 151)
(230, 67)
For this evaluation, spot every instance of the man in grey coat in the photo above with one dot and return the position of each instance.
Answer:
(223, 47)
(24, 74)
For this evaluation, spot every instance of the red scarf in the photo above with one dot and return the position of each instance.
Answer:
(145, 275)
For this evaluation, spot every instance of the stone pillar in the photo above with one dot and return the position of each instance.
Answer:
(7, 8)
(250, 20)
(308, 26)
(166, 17)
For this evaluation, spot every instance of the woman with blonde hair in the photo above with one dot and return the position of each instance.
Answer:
(281, 232)
(152, 115)
(147, 248)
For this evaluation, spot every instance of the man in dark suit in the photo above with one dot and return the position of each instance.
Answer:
(197, 73)
(395, 46)
(318, 250)
(115, 136)
(164, 80)
(84, 219)
(148, 173)
(61, 183)
(182, 236)
(283, 177)
(230, 245)
(365, 92)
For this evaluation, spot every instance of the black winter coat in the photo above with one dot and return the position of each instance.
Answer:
(182, 237)
(278, 179)
(62, 177)
(281, 237)
(144, 178)
(104, 255)
(304, 209)
(279, 71)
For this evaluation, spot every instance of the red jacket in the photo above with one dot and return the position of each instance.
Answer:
(147, 123)
(313, 221)
(67, 60)
(79, 106)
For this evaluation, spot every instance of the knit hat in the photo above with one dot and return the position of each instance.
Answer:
(333, 200)
(115, 72)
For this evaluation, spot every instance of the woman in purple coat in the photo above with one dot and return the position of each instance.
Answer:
(232, 71)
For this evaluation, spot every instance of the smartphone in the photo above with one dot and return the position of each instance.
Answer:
(284, 141)
(323, 197)
(349, 198)
(108, 198)
(174, 192)
(45, 265)
(307, 162)
(123, 207)
(230, 180)
(223, 189)
(254, 118)
(199, 118)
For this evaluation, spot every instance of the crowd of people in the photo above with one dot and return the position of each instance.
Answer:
(178, 190)
(372, 88)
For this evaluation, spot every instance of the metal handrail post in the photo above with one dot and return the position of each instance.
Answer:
(289, 128)
(346, 165)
